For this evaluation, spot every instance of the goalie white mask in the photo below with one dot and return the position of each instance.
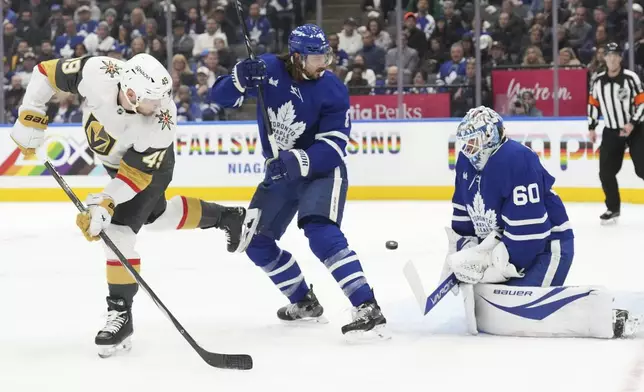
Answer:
(150, 82)
(480, 133)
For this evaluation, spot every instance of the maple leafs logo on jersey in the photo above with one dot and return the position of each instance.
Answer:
(287, 131)
(165, 119)
(110, 68)
(484, 222)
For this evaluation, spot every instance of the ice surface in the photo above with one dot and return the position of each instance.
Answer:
(52, 287)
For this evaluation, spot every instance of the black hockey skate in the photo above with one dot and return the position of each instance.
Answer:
(308, 309)
(239, 225)
(368, 323)
(115, 335)
(625, 325)
(609, 217)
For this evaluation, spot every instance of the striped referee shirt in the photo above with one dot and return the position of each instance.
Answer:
(620, 100)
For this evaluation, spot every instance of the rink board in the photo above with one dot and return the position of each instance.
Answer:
(387, 160)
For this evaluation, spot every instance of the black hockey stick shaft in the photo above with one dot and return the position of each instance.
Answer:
(260, 89)
(223, 361)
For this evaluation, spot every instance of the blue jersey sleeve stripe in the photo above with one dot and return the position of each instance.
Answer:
(459, 207)
(456, 218)
(340, 150)
(524, 222)
(562, 227)
(526, 237)
(337, 134)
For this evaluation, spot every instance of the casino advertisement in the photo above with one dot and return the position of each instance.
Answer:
(224, 156)
(396, 159)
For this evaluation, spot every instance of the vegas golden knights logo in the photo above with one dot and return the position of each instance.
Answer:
(99, 140)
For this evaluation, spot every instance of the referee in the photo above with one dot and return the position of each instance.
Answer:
(617, 94)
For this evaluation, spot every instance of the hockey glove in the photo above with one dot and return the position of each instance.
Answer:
(456, 243)
(288, 166)
(98, 216)
(249, 73)
(29, 131)
(469, 265)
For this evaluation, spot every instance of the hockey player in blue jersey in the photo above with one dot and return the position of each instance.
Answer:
(308, 110)
(512, 245)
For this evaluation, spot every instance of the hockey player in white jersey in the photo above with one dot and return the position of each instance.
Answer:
(130, 124)
(511, 244)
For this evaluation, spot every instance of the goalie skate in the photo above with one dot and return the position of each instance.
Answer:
(625, 324)
(115, 335)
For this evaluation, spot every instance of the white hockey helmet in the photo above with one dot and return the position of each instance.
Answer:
(479, 134)
(149, 80)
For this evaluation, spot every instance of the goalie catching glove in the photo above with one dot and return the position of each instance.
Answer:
(97, 217)
(28, 132)
(488, 262)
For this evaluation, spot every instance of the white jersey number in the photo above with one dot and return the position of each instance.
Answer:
(71, 66)
(154, 160)
(522, 195)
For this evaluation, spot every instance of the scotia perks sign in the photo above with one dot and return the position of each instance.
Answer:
(385, 107)
(573, 90)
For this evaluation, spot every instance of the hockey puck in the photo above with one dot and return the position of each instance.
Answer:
(391, 245)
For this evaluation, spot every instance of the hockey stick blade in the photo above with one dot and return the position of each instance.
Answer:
(227, 361)
(260, 96)
(427, 303)
(222, 361)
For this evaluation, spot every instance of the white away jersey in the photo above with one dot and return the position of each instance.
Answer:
(110, 129)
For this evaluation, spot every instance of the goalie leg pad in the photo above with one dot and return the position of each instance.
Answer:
(121, 284)
(544, 312)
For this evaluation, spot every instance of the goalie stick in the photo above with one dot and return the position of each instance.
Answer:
(222, 361)
(427, 303)
(260, 96)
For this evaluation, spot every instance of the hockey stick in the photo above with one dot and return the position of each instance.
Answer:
(427, 303)
(223, 361)
(260, 96)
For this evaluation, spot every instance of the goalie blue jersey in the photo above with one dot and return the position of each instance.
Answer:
(312, 115)
(512, 195)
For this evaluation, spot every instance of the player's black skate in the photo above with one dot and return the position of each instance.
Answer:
(368, 322)
(609, 217)
(115, 335)
(239, 225)
(308, 309)
(625, 325)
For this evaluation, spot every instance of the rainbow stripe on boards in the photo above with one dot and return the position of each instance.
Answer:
(9, 168)
(374, 144)
(55, 153)
(197, 145)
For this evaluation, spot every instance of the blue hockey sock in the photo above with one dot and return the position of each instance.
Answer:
(279, 265)
(330, 246)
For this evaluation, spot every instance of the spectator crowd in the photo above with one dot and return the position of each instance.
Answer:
(436, 53)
